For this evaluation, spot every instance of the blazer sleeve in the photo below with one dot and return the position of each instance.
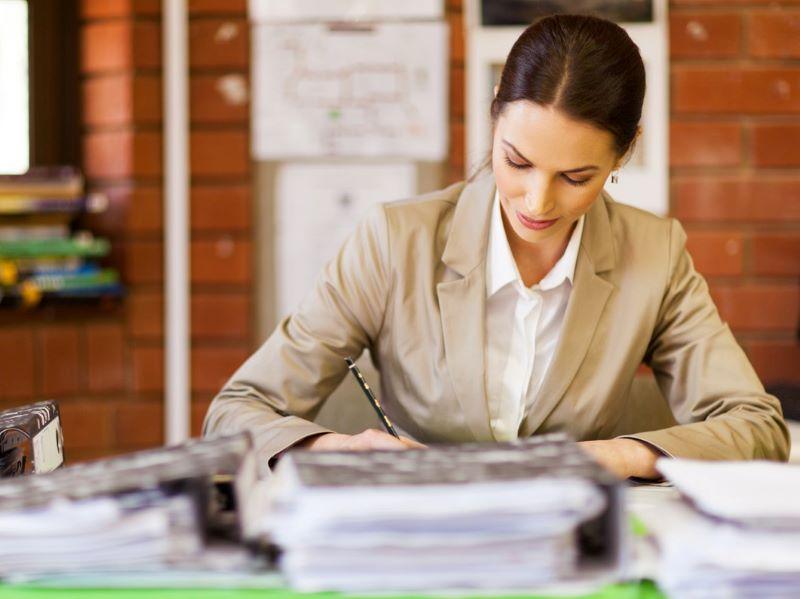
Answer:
(715, 395)
(278, 391)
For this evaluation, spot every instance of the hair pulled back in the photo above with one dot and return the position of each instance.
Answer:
(585, 66)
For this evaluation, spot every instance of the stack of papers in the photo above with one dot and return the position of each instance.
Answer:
(146, 511)
(736, 535)
(30, 439)
(512, 515)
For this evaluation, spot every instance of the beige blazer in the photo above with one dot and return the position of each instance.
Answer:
(409, 284)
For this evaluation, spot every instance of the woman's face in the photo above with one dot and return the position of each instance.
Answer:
(549, 169)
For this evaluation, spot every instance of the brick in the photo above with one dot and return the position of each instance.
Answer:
(106, 46)
(148, 369)
(119, 45)
(139, 424)
(213, 7)
(122, 154)
(199, 409)
(457, 145)
(767, 307)
(145, 315)
(457, 92)
(105, 9)
(59, 347)
(213, 366)
(704, 144)
(219, 154)
(217, 43)
(105, 360)
(146, 45)
(107, 100)
(736, 200)
(775, 361)
(16, 363)
(217, 207)
(704, 35)
(222, 99)
(776, 254)
(144, 262)
(726, 90)
(145, 211)
(87, 424)
(775, 34)
(716, 253)
(224, 260)
(120, 99)
(776, 145)
(456, 24)
(221, 315)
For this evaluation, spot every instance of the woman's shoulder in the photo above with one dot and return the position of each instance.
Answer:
(426, 207)
(636, 225)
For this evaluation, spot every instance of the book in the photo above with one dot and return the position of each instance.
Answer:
(83, 245)
(30, 439)
(21, 204)
(53, 181)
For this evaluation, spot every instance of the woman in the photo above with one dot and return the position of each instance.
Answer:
(525, 300)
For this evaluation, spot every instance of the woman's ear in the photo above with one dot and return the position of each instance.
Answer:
(496, 87)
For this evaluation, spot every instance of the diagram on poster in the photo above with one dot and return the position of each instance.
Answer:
(317, 207)
(376, 90)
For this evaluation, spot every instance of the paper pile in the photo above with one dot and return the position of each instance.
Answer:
(145, 511)
(737, 535)
(512, 515)
(30, 439)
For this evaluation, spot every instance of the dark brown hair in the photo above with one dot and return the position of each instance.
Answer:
(585, 66)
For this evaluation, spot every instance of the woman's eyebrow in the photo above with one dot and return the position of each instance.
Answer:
(572, 170)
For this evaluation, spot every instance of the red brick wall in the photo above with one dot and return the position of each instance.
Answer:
(735, 166)
(735, 184)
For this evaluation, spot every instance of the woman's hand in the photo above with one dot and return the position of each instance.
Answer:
(624, 457)
(369, 439)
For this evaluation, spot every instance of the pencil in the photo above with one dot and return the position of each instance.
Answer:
(371, 397)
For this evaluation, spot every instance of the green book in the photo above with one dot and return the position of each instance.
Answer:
(38, 248)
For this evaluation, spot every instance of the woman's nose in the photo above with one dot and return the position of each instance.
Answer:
(538, 200)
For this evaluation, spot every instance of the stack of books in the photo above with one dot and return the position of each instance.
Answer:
(31, 441)
(736, 535)
(527, 515)
(41, 253)
(170, 508)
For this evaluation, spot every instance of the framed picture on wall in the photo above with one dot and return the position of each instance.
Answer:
(523, 12)
(643, 181)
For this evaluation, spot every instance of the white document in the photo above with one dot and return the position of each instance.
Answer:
(317, 207)
(753, 492)
(377, 90)
(343, 10)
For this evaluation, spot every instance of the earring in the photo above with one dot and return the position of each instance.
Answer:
(615, 177)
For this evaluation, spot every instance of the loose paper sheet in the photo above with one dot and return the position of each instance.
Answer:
(375, 90)
(343, 10)
(318, 205)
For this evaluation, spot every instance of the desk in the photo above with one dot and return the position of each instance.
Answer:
(625, 591)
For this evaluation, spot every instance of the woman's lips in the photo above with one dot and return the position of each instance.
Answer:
(537, 225)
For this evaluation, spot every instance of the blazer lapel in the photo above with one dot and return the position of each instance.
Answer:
(588, 298)
(462, 303)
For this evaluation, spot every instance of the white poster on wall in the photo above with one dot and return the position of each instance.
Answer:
(317, 206)
(343, 10)
(376, 90)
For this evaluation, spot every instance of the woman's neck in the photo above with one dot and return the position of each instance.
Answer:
(535, 260)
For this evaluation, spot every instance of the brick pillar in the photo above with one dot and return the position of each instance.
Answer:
(223, 323)
(735, 167)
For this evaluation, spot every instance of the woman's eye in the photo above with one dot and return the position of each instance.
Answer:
(513, 164)
(575, 181)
